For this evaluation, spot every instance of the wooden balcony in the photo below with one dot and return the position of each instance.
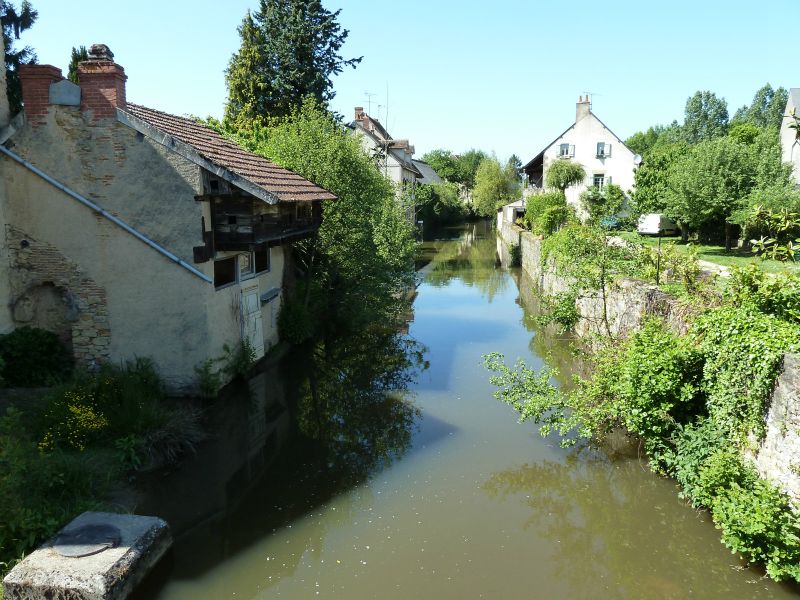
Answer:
(247, 234)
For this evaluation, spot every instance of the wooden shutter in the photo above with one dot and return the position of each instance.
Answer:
(572, 150)
(607, 150)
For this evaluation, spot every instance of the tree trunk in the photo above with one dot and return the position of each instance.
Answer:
(728, 232)
(684, 233)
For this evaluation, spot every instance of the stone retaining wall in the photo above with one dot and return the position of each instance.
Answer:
(629, 302)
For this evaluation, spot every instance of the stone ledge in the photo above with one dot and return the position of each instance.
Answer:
(109, 574)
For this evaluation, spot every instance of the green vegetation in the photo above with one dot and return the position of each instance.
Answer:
(696, 403)
(361, 261)
(289, 52)
(562, 174)
(456, 168)
(709, 173)
(602, 204)
(15, 22)
(77, 55)
(495, 186)
(547, 213)
(68, 450)
(440, 203)
(31, 357)
(736, 257)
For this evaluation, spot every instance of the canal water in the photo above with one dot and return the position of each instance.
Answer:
(401, 476)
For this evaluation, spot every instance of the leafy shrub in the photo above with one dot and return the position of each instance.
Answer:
(515, 252)
(742, 349)
(33, 357)
(41, 492)
(546, 213)
(777, 294)
(115, 404)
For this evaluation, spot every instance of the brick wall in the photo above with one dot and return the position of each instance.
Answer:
(35, 81)
(35, 264)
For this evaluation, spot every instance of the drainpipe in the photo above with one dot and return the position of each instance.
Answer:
(94, 207)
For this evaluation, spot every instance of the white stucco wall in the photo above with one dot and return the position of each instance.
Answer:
(584, 135)
(790, 145)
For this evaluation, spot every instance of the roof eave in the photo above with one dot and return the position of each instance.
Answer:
(191, 154)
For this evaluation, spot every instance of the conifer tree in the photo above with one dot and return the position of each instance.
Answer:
(289, 51)
(78, 55)
(14, 22)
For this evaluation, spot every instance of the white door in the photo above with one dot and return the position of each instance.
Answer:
(252, 327)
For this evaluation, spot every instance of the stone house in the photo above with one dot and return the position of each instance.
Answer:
(790, 144)
(394, 158)
(604, 156)
(134, 233)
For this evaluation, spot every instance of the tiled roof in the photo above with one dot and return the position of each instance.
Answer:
(277, 181)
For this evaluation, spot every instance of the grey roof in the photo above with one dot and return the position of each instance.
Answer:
(429, 176)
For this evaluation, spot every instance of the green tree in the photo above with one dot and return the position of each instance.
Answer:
(766, 109)
(78, 56)
(642, 142)
(15, 22)
(289, 51)
(364, 256)
(444, 163)
(514, 166)
(650, 179)
(706, 117)
(494, 187)
(744, 132)
(601, 204)
(468, 164)
(562, 174)
(709, 183)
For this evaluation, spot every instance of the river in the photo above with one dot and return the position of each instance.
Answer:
(406, 479)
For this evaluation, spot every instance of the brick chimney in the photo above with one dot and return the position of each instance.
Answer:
(582, 108)
(360, 114)
(35, 81)
(102, 83)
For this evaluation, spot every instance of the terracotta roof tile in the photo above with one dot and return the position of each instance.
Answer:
(283, 183)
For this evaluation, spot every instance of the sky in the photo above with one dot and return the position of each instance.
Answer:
(502, 76)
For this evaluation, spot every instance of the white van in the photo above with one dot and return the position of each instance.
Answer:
(656, 223)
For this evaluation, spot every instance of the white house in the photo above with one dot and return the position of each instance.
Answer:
(790, 144)
(393, 157)
(588, 141)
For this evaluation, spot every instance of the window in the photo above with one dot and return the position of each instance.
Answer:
(603, 150)
(598, 181)
(563, 150)
(225, 271)
(262, 258)
(246, 265)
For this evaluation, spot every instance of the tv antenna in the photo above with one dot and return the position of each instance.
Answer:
(590, 95)
(369, 96)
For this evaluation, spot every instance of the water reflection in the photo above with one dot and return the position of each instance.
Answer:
(353, 402)
(618, 533)
(472, 259)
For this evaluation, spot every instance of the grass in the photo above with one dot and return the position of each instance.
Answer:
(715, 254)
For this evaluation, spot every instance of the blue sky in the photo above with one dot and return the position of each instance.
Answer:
(501, 76)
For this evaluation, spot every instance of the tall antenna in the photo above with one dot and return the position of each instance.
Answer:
(369, 96)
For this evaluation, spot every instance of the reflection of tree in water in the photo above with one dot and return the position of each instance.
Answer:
(471, 259)
(612, 526)
(352, 400)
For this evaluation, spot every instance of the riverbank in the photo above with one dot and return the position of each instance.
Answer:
(699, 392)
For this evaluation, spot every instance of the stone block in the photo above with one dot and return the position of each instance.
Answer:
(65, 93)
(109, 574)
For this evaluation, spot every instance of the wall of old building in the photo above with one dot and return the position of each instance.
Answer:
(104, 291)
